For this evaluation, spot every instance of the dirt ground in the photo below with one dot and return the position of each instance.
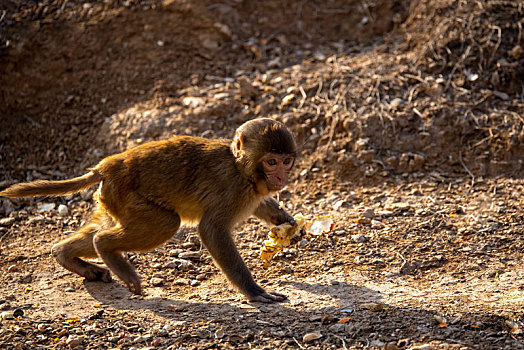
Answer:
(410, 121)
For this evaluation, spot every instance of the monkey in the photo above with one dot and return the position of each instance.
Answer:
(145, 193)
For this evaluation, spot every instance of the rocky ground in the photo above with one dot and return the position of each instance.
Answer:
(409, 117)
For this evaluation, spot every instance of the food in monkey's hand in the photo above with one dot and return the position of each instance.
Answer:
(282, 235)
(279, 237)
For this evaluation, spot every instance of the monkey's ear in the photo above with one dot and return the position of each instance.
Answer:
(238, 145)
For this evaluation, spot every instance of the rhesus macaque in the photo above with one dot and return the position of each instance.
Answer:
(145, 193)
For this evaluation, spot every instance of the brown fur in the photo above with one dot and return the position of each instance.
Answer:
(52, 188)
(146, 192)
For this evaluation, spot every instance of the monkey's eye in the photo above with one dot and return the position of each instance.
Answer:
(288, 160)
(272, 162)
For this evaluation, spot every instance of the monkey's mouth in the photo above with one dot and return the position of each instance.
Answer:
(275, 187)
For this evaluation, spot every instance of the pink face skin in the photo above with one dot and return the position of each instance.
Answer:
(276, 168)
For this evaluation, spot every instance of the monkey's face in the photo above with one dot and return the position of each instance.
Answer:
(275, 169)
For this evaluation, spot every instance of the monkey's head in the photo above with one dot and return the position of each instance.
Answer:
(265, 152)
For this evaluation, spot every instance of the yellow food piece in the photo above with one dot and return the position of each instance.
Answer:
(279, 237)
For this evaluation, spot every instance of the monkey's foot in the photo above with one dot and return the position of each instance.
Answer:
(133, 284)
(268, 297)
(97, 273)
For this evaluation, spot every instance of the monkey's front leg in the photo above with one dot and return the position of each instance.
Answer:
(218, 241)
(270, 211)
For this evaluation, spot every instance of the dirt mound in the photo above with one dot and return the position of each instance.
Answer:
(448, 95)
(67, 66)
(477, 44)
(476, 47)
(417, 99)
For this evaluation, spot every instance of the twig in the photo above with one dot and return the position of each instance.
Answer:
(515, 114)
(343, 342)
(299, 345)
(499, 40)
(482, 141)
(295, 339)
(455, 67)
(331, 133)
(467, 170)
(415, 77)
(332, 86)
(304, 97)
(412, 92)
(403, 259)
(264, 322)
(417, 112)
(320, 83)
(380, 110)
(3, 236)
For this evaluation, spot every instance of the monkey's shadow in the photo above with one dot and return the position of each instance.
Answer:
(116, 295)
(341, 296)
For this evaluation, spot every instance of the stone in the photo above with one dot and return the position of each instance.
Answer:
(7, 221)
(63, 210)
(155, 281)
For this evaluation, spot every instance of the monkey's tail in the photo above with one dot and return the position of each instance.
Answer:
(53, 188)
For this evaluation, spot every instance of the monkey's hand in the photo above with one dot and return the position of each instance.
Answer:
(271, 212)
(285, 217)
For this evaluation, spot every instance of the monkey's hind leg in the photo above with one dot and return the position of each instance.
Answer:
(144, 227)
(69, 251)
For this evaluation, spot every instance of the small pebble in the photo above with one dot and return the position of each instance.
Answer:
(327, 319)
(375, 307)
(7, 315)
(35, 219)
(377, 343)
(315, 318)
(263, 309)
(188, 245)
(369, 213)
(182, 282)
(190, 255)
(378, 262)
(308, 337)
(337, 327)
(74, 341)
(180, 264)
(12, 268)
(155, 281)
(303, 243)
(27, 278)
(7, 221)
(63, 210)
(339, 204)
(358, 238)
